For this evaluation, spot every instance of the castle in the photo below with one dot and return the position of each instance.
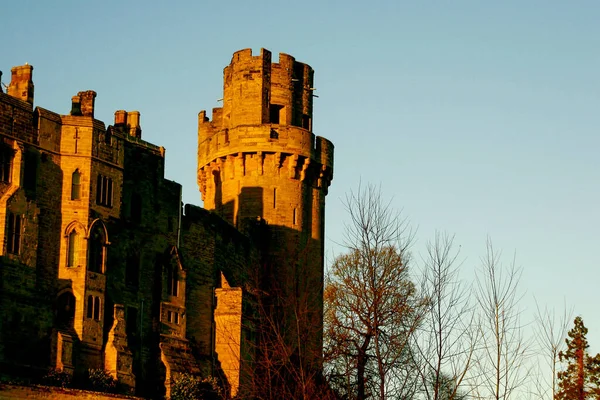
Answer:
(102, 268)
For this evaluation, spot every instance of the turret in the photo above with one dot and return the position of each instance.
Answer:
(259, 159)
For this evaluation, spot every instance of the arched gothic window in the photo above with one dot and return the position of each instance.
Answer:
(72, 242)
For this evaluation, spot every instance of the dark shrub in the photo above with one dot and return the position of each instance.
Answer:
(56, 377)
(101, 381)
(188, 387)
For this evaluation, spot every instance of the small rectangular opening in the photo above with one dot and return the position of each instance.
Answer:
(306, 122)
(275, 113)
(274, 197)
(294, 217)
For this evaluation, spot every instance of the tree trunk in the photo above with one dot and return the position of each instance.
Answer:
(360, 368)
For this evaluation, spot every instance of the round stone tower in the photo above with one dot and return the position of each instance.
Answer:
(259, 159)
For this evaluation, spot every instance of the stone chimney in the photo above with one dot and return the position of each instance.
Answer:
(76, 106)
(21, 85)
(133, 119)
(120, 118)
(87, 102)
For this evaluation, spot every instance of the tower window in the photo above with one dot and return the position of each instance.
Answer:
(104, 191)
(97, 308)
(275, 113)
(306, 122)
(173, 317)
(294, 217)
(76, 185)
(93, 308)
(15, 223)
(274, 197)
(6, 158)
(173, 281)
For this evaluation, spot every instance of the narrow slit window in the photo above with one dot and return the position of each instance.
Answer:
(97, 308)
(6, 159)
(306, 122)
(76, 185)
(275, 198)
(173, 281)
(99, 190)
(90, 307)
(72, 249)
(294, 217)
(104, 191)
(13, 244)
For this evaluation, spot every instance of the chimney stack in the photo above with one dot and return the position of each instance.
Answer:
(133, 119)
(76, 106)
(21, 84)
(87, 102)
(120, 118)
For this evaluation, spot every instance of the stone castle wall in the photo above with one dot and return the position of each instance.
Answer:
(101, 266)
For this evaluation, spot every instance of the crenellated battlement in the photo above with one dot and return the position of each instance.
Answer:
(267, 109)
(257, 91)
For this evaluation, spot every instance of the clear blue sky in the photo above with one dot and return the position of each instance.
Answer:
(479, 117)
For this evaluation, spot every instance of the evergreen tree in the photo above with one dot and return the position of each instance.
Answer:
(581, 378)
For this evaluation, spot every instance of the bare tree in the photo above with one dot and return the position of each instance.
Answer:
(447, 336)
(551, 330)
(372, 307)
(504, 348)
(278, 337)
(278, 371)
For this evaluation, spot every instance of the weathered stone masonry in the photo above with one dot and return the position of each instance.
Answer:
(101, 267)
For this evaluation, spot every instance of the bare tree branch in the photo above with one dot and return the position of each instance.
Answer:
(502, 359)
(447, 337)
